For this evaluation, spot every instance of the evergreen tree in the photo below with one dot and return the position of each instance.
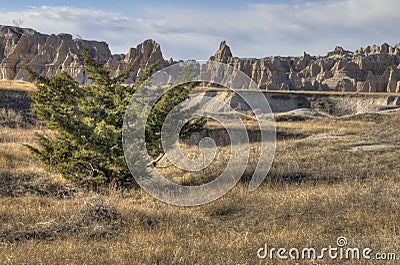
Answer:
(86, 121)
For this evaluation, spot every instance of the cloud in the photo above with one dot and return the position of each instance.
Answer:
(258, 30)
(114, 28)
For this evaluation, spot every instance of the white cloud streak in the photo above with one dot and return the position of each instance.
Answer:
(258, 30)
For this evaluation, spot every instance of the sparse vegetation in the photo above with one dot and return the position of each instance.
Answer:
(318, 189)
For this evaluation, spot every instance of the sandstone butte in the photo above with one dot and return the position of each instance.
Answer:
(371, 69)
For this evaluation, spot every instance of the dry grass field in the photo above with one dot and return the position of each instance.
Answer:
(17, 85)
(331, 177)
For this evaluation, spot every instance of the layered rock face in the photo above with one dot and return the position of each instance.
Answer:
(371, 69)
(48, 55)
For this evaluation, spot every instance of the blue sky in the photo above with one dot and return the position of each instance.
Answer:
(194, 29)
(137, 7)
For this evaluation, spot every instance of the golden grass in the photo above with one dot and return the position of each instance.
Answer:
(229, 230)
(17, 85)
(317, 190)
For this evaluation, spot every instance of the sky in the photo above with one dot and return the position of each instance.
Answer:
(194, 29)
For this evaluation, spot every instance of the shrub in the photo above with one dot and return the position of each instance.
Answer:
(87, 121)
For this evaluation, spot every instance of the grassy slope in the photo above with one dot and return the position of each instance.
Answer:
(318, 189)
(17, 85)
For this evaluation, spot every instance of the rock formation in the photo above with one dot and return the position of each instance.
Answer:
(48, 55)
(371, 69)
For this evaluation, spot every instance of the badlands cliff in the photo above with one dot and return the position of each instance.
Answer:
(370, 69)
(51, 54)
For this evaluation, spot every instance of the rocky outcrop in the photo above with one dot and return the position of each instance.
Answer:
(371, 69)
(145, 54)
(223, 54)
(283, 102)
(48, 55)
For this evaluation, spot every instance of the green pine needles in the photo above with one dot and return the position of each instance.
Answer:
(86, 121)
